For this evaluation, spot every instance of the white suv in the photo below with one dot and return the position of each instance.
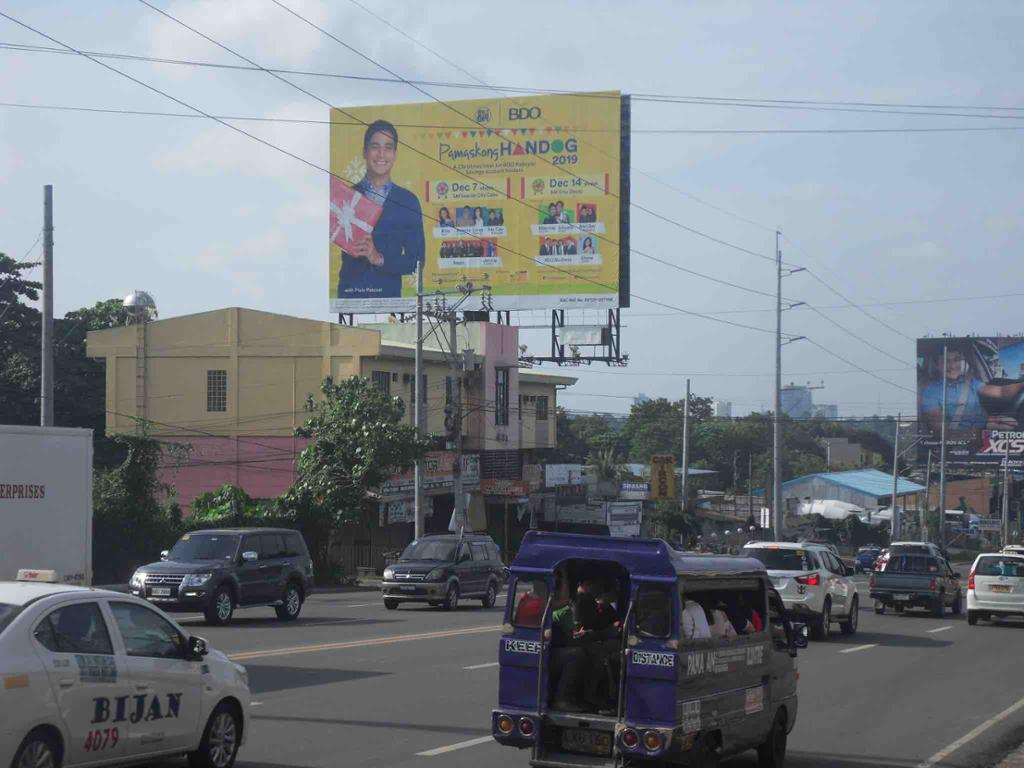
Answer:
(814, 584)
(995, 587)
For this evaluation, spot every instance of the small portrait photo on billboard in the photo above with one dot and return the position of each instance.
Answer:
(494, 217)
(464, 216)
(444, 217)
(586, 213)
(557, 246)
(981, 393)
(475, 248)
(555, 212)
(377, 224)
(588, 245)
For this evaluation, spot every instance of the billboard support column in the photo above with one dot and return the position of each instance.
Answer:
(418, 511)
(942, 452)
(460, 499)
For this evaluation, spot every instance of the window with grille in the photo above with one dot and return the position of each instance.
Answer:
(382, 380)
(217, 391)
(501, 394)
(542, 408)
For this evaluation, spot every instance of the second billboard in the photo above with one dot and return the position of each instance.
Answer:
(526, 196)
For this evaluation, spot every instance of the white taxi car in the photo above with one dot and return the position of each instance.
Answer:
(94, 677)
(995, 586)
(813, 583)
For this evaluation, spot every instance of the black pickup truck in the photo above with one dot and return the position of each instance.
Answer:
(916, 580)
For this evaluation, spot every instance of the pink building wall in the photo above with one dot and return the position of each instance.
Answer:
(263, 466)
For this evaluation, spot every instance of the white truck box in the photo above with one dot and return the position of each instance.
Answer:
(46, 501)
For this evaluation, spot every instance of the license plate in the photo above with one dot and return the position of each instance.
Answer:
(407, 588)
(586, 741)
(161, 591)
(905, 598)
(1001, 588)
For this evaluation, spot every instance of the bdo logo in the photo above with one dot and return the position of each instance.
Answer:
(523, 113)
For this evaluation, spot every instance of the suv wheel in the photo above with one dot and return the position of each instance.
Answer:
(879, 607)
(391, 604)
(451, 598)
(823, 625)
(939, 609)
(849, 626)
(492, 595)
(291, 604)
(220, 609)
(972, 617)
(219, 746)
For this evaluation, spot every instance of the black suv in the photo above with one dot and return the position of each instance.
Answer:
(216, 571)
(441, 569)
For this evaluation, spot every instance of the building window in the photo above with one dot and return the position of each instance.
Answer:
(542, 408)
(217, 391)
(382, 380)
(501, 394)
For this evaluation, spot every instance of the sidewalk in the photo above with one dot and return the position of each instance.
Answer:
(1013, 760)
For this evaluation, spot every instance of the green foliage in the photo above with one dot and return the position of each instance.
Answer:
(132, 517)
(583, 436)
(358, 441)
(656, 426)
(605, 464)
(669, 521)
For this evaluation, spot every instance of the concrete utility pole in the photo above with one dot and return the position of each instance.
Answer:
(750, 488)
(46, 368)
(419, 516)
(942, 453)
(927, 497)
(896, 521)
(777, 513)
(686, 449)
(456, 361)
(1006, 495)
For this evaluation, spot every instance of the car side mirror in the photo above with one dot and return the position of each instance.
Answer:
(163, 554)
(250, 556)
(197, 648)
(801, 635)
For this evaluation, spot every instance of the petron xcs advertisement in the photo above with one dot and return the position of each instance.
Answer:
(525, 200)
(983, 384)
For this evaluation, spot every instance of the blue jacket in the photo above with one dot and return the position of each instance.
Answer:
(398, 237)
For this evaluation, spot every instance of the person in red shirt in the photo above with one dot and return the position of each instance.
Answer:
(531, 605)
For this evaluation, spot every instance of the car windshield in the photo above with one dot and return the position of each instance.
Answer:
(430, 549)
(206, 546)
(998, 566)
(867, 551)
(780, 559)
(7, 614)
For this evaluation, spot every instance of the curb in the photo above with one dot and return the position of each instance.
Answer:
(1013, 760)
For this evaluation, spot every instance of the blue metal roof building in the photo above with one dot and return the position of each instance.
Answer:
(863, 487)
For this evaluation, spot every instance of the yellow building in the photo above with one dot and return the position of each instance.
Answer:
(232, 383)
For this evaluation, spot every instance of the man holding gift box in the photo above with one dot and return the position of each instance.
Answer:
(377, 224)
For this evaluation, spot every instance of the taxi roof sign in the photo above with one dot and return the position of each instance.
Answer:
(44, 576)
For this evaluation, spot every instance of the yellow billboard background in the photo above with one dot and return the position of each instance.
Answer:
(500, 168)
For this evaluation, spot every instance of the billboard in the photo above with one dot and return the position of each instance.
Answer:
(663, 477)
(527, 196)
(984, 388)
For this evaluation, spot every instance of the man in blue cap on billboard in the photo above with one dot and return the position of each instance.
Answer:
(372, 266)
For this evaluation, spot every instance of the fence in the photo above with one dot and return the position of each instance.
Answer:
(354, 559)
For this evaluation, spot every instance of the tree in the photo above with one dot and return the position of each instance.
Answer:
(581, 437)
(656, 426)
(19, 343)
(359, 440)
(134, 516)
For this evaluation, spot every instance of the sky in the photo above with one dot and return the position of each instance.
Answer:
(202, 217)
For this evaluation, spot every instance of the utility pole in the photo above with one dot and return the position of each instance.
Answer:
(927, 497)
(1006, 495)
(942, 453)
(896, 522)
(456, 362)
(777, 514)
(750, 488)
(686, 448)
(419, 516)
(46, 368)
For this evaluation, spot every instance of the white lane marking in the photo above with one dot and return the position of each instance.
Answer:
(483, 666)
(453, 747)
(939, 629)
(188, 618)
(859, 648)
(970, 736)
(357, 605)
(255, 703)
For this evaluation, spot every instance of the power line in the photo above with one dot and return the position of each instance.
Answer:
(531, 90)
(850, 333)
(872, 374)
